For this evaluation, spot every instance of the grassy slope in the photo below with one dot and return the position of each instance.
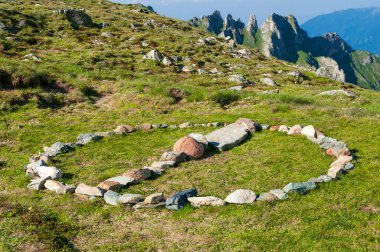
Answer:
(368, 74)
(341, 216)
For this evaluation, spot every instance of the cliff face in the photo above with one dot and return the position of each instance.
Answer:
(282, 38)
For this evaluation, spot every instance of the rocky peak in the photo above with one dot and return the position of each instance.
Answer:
(330, 45)
(213, 22)
(234, 29)
(252, 26)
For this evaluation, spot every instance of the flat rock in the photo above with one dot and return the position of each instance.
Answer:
(154, 55)
(111, 198)
(227, 137)
(321, 179)
(109, 185)
(138, 175)
(268, 81)
(180, 199)
(241, 197)
(84, 139)
(284, 129)
(301, 188)
(280, 194)
(155, 198)
(54, 185)
(130, 199)
(122, 180)
(349, 166)
(344, 92)
(163, 164)
(37, 184)
(206, 201)
(89, 190)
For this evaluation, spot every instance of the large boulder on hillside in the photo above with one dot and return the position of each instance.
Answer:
(190, 146)
(329, 68)
(78, 18)
(227, 137)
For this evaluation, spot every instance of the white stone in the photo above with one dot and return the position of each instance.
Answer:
(49, 171)
(309, 131)
(241, 197)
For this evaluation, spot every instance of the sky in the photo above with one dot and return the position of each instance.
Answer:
(301, 9)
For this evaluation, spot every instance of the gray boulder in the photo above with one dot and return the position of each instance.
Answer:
(130, 199)
(89, 190)
(38, 183)
(301, 188)
(111, 198)
(280, 194)
(78, 18)
(180, 199)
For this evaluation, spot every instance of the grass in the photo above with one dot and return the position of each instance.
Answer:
(100, 87)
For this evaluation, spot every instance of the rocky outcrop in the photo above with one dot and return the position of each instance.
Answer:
(329, 68)
(234, 29)
(213, 23)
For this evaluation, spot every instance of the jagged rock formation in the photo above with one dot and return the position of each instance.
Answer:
(329, 68)
(283, 38)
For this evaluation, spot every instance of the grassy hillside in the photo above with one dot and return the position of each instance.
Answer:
(89, 82)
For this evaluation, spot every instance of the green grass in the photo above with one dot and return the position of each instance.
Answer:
(100, 87)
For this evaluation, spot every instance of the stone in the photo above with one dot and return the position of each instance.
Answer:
(266, 197)
(111, 198)
(173, 126)
(84, 139)
(154, 55)
(60, 147)
(309, 131)
(250, 125)
(155, 198)
(38, 183)
(337, 168)
(338, 150)
(185, 125)
(227, 137)
(177, 157)
(321, 179)
(124, 129)
(130, 199)
(138, 175)
(280, 194)
(166, 61)
(238, 78)
(180, 199)
(89, 190)
(301, 188)
(49, 171)
(145, 126)
(190, 146)
(274, 128)
(122, 180)
(109, 185)
(349, 166)
(284, 129)
(268, 81)
(206, 201)
(335, 171)
(163, 164)
(54, 185)
(199, 138)
(156, 171)
(267, 92)
(107, 34)
(78, 18)
(216, 124)
(295, 130)
(237, 88)
(330, 68)
(344, 92)
(70, 189)
(241, 197)
(105, 134)
(265, 126)
(31, 168)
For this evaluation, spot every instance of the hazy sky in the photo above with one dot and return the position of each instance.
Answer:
(302, 9)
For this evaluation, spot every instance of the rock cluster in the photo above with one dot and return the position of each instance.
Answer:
(193, 146)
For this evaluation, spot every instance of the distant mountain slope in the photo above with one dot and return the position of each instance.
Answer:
(358, 27)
